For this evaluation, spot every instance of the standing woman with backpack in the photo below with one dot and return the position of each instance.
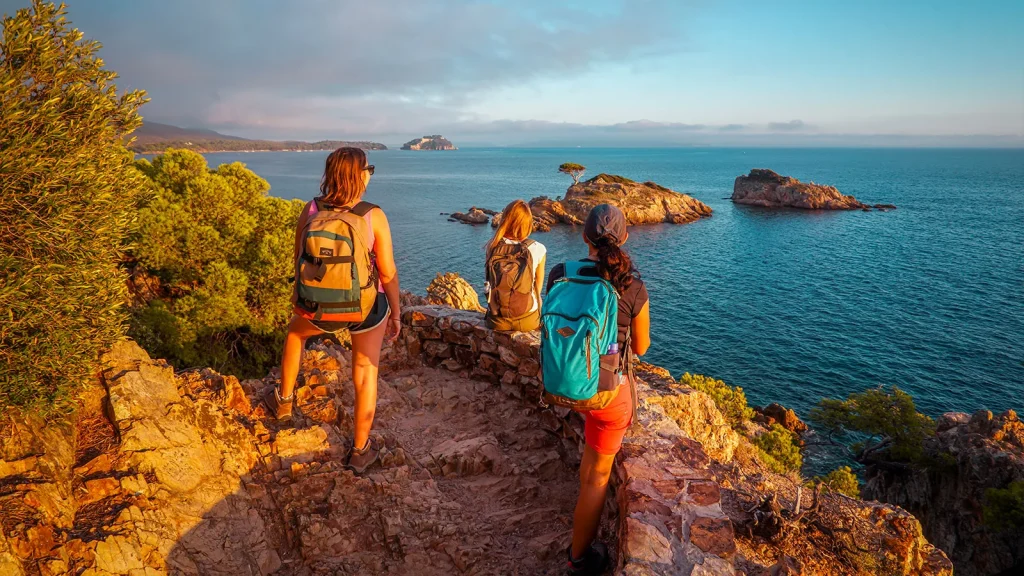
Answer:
(345, 279)
(602, 388)
(514, 272)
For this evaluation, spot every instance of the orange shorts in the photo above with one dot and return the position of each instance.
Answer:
(605, 428)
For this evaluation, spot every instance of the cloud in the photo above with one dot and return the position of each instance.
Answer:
(791, 126)
(349, 63)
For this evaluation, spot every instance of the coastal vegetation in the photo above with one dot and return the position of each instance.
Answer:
(731, 400)
(779, 450)
(67, 207)
(212, 265)
(574, 170)
(877, 425)
(1004, 507)
(777, 447)
(842, 480)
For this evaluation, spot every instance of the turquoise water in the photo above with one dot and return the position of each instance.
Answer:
(791, 305)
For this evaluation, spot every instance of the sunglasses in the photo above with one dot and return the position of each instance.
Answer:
(369, 169)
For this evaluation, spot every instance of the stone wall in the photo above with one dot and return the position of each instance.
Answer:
(670, 514)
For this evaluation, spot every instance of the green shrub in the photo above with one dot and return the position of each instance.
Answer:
(1004, 507)
(841, 480)
(731, 400)
(779, 449)
(69, 194)
(892, 425)
(221, 252)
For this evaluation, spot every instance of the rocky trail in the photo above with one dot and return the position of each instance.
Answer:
(469, 482)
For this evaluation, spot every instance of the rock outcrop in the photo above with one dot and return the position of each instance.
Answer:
(972, 454)
(450, 289)
(775, 413)
(434, 142)
(642, 203)
(766, 188)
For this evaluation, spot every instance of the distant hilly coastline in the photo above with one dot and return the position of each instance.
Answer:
(154, 137)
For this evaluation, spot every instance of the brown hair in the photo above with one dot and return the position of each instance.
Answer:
(614, 264)
(343, 176)
(516, 224)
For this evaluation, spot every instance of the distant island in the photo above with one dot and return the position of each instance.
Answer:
(154, 138)
(435, 142)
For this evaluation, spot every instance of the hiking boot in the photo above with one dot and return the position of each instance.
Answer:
(593, 562)
(361, 459)
(280, 408)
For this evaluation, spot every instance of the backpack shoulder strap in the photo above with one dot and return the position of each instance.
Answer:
(363, 208)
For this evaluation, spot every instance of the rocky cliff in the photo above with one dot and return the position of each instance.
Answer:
(766, 188)
(434, 142)
(183, 473)
(973, 455)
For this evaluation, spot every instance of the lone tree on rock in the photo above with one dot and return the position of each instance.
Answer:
(574, 170)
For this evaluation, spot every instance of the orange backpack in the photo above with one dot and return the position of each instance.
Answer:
(335, 275)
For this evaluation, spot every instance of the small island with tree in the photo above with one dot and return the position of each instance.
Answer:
(434, 142)
(574, 170)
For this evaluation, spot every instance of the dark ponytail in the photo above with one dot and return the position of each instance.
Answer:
(613, 264)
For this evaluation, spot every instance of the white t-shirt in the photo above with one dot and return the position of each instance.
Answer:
(537, 252)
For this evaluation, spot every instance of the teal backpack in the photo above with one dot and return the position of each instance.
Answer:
(578, 325)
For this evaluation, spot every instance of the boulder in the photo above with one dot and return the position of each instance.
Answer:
(766, 188)
(778, 414)
(452, 290)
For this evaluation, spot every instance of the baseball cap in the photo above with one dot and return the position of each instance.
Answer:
(605, 220)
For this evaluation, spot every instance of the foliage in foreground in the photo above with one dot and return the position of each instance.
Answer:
(731, 400)
(894, 428)
(1004, 507)
(842, 480)
(779, 450)
(69, 194)
(219, 250)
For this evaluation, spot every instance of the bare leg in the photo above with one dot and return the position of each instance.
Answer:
(595, 470)
(365, 364)
(299, 330)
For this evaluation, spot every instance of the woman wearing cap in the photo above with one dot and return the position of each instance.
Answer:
(605, 233)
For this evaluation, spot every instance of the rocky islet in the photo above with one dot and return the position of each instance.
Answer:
(762, 187)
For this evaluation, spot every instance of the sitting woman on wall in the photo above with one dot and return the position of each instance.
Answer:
(604, 233)
(515, 272)
(346, 279)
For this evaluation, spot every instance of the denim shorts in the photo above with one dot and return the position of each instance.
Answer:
(378, 314)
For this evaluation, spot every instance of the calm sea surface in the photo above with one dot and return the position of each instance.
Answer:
(791, 305)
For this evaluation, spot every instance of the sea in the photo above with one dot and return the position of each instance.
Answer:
(791, 305)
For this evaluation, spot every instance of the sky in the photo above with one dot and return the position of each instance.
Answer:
(587, 72)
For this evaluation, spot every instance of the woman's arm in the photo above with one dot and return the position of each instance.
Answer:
(640, 329)
(384, 250)
(539, 279)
